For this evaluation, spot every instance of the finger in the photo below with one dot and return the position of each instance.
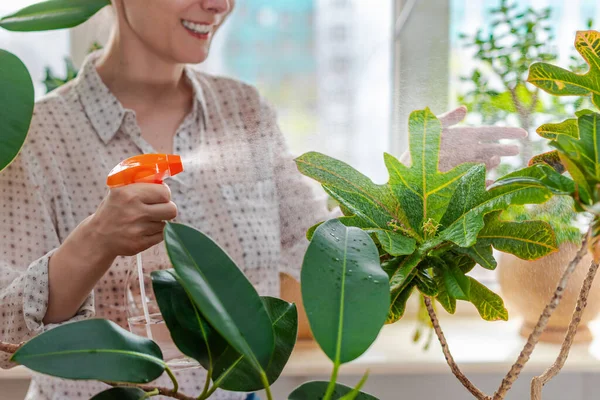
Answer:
(492, 163)
(488, 182)
(152, 228)
(501, 150)
(162, 212)
(151, 193)
(152, 240)
(453, 117)
(487, 133)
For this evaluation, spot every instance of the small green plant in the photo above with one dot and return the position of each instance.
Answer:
(216, 317)
(52, 81)
(575, 141)
(575, 138)
(432, 227)
(515, 38)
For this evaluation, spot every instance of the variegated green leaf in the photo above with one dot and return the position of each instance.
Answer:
(561, 82)
(426, 284)
(372, 205)
(443, 297)
(471, 201)
(457, 283)
(482, 254)
(392, 241)
(403, 270)
(551, 158)
(551, 131)
(399, 297)
(583, 191)
(489, 304)
(528, 240)
(423, 191)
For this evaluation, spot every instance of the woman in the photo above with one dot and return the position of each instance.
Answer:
(66, 245)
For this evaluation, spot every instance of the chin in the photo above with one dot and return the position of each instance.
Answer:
(192, 56)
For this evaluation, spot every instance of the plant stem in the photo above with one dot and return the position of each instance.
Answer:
(161, 390)
(206, 384)
(332, 382)
(538, 382)
(155, 392)
(449, 359)
(534, 337)
(217, 383)
(172, 376)
(265, 381)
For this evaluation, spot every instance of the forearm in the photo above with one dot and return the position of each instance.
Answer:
(73, 271)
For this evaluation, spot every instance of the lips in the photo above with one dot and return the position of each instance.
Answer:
(197, 28)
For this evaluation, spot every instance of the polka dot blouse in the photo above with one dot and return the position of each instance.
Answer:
(242, 189)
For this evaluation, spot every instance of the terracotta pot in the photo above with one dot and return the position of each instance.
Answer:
(527, 287)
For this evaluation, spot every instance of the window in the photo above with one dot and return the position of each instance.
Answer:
(326, 67)
(36, 50)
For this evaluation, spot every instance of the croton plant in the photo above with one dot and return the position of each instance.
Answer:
(433, 227)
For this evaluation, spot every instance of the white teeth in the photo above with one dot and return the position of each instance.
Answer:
(198, 28)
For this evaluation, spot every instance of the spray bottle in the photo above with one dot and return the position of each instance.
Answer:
(144, 168)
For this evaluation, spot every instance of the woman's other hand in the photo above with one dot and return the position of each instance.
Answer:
(131, 218)
(461, 144)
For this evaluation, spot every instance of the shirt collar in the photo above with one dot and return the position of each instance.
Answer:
(104, 110)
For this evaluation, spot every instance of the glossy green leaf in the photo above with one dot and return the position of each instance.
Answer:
(192, 335)
(588, 144)
(16, 106)
(52, 14)
(221, 292)
(423, 191)
(482, 254)
(399, 297)
(536, 177)
(462, 261)
(443, 297)
(471, 202)
(457, 283)
(393, 242)
(551, 158)
(120, 393)
(234, 373)
(402, 270)
(583, 191)
(315, 390)
(552, 131)
(92, 349)
(344, 290)
(489, 304)
(561, 82)
(372, 206)
(528, 240)
(426, 284)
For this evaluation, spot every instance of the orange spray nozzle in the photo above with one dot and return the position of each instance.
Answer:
(145, 168)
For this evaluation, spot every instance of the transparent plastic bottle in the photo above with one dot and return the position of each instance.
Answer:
(153, 259)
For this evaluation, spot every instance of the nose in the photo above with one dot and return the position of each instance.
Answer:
(217, 6)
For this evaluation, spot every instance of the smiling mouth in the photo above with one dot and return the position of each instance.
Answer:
(196, 28)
